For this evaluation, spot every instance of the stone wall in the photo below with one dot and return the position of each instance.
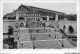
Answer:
(61, 24)
(67, 24)
(8, 23)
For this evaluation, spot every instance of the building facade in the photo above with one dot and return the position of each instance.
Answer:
(24, 14)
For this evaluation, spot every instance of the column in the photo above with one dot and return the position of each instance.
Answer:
(47, 18)
(17, 15)
(56, 17)
(47, 23)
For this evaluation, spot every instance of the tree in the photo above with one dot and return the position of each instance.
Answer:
(10, 31)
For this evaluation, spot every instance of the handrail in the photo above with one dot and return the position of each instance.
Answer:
(67, 38)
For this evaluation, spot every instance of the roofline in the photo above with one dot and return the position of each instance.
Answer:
(47, 9)
(50, 11)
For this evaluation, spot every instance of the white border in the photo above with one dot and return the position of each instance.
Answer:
(41, 50)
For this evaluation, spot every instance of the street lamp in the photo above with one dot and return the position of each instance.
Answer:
(33, 43)
(55, 32)
(62, 37)
(31, 34)
(32, 39)
(62, 41)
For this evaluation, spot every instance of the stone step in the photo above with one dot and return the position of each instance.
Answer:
(43, 36)
(47, 44)
(24, 37)
(25, 45)
(23, 31)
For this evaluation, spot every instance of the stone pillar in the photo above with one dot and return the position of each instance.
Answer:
(47, 23)
(56, 21)
(47, 18)
(56, 17)
(41, 19)
(17, 16)
(17, 24)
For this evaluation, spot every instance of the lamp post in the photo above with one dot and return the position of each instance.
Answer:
(62, 41)
(63, 35)
(55, 32)
(33, 43)
(31, 34)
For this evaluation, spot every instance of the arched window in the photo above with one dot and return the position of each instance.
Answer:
(70, 29)
(21, 24)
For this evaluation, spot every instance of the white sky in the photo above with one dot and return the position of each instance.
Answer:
(69, 8)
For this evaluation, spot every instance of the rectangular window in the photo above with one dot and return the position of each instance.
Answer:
(21, 18)
(51, 18)
(44, 18)
(38, 14)
(33, 14)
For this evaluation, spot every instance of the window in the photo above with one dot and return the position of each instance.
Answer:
(21, 18)
(38, 19)
(34, 18)
(21, 24)
(38, 14)
(31, 14)
(11, 18)
(51, 18)
(44, 18)
(26, 14)
(35, 14)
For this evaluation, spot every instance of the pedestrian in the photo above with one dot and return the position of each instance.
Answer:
(37, 31)
(49, 35)
(64, 27)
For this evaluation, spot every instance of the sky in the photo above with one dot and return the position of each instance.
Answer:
(69, 8)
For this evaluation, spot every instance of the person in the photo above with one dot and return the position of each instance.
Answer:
(17, 25)
(37, 31)
(64, 27)
(26, 24)
(10, 31)
(49, 35)
(61, 30)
